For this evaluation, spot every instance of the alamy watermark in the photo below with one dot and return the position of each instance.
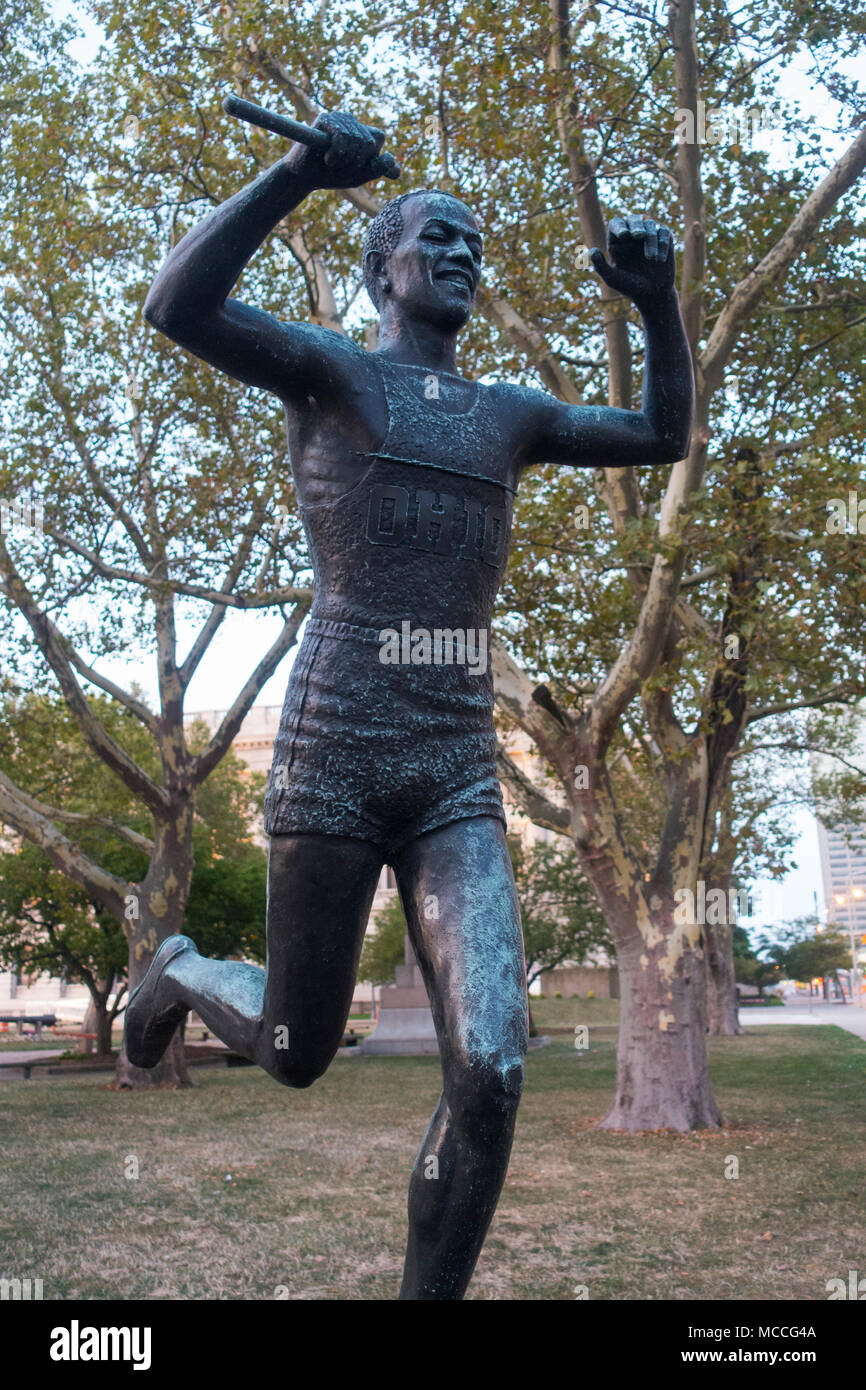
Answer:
(19, 1290)
(715, 908)
(443, 646)
(846, 515)
(24, 514)
(77, 1343)
(854, 1289)
(725, 125)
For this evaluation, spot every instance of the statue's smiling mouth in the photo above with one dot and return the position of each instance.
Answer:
(454, 275)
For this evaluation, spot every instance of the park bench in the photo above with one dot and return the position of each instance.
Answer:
(19, 1064)
(39, 1021)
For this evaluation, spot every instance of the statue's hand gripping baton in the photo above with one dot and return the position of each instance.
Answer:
(385, 164)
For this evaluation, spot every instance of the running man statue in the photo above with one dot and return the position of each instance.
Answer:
(406, 473)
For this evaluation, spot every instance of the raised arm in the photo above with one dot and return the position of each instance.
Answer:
(188, 301)
(642, 268)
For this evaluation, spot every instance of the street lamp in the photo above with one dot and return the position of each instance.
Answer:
(845, 900)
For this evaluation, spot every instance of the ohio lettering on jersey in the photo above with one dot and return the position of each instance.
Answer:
(437, 522)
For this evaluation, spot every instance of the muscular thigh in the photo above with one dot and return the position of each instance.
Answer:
(320, 890)
(457, 887)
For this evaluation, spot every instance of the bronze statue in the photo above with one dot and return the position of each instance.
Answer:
(406, 475)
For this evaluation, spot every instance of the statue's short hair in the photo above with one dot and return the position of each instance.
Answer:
(386, 230)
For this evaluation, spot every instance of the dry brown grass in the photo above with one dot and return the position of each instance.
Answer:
(315, 1203)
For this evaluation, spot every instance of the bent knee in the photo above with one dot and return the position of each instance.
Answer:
(298, 1072)
(489, 1090)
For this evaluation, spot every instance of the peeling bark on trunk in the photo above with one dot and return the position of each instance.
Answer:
(663, 1075)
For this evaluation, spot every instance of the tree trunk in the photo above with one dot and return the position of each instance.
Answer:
(103, 1033)
(90, 1025)
(722, 1012)
(155, 911)
(171, 1071)
(97, 1020)
(663, 1074)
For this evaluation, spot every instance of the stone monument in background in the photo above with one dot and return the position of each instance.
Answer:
(404, 1027)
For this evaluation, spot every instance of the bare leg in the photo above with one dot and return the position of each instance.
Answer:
(289, 1018)
(464, 921)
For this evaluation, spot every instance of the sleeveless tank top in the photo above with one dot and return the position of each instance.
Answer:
(423, 534)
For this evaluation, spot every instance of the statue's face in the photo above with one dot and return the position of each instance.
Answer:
(435, 267)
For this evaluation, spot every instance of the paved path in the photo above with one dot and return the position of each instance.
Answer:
(14, 1060)
(847, 1016)
(16, 1057)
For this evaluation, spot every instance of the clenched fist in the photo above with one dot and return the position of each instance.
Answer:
(353, 157)
(642, 260)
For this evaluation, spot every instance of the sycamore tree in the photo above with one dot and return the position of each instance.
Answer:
(651, 620)
(140, 502)
(755, 838)
(49, 922)
(730, 593)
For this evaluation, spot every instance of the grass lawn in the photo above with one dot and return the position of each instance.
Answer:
(564, 1013)
(315, 1202)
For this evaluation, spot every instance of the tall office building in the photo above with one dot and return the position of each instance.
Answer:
(843, 867)
(843, 853)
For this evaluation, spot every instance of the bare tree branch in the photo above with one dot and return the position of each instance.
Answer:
(54, 813)
(745, 297)
(105, 887)
(532, 802)
(204, 763)
(53, 646)
(618, 486)
(178, 586)
(842, 694)
(681, 21)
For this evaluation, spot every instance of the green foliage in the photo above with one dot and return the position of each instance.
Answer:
(839, 776)
(47, 925)
(740, 943)
(751, 970)
(47, 922)
(384, 949)
(561, 920)
(821, 956)
(801, 950)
